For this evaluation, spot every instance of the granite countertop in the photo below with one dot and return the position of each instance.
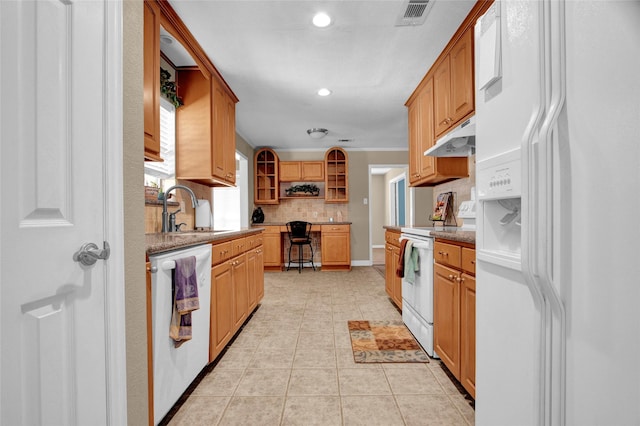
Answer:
(313, 223)
(159, 242)
(392, 228)
(462, 236)
(447, 233)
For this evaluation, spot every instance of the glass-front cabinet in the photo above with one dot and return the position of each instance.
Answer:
(266, 177)
(336, 176)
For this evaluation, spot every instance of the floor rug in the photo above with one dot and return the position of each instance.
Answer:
(384, 341)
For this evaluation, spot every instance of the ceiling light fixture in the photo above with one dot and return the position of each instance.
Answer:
(317, 133)
(324, 92)
(165, 39)
(321, 20)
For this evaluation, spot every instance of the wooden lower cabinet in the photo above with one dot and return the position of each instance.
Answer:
(252, 259)
(468, 334)
(255, 276)
(237, 286)
(272, 247)
(454, 310)
(446, 317)
(336, 247)
(259, 282)
(389, 270)
(393, 283)
(221, 326)
(240, 290)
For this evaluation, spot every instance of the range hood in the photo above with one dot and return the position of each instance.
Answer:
(459, 142)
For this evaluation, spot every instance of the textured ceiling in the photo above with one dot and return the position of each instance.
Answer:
(275, 60)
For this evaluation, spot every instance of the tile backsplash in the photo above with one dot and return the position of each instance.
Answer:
(307, 209)
(461, 188)
(153, 212)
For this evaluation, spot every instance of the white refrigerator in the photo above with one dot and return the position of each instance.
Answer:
(558, 189)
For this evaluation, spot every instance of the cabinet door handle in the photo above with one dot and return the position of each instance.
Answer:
(451, 277)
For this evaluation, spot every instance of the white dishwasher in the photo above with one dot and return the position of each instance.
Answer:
(175, 368)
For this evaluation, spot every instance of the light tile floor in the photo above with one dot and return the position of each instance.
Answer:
(292, 364)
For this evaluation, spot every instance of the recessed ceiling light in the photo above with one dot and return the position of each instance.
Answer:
(324, 92)
(321, 20)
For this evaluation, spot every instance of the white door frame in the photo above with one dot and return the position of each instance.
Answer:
(409, 194)
(116, 375)
(393, 191)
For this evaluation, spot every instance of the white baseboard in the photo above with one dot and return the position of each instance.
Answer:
(361, 263)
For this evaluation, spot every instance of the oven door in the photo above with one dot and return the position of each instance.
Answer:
(417, 297)
(419, 294)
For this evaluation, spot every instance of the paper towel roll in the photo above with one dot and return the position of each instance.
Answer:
(203, 214)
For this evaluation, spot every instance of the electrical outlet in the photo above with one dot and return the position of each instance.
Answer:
(315, 214)
(365, 201)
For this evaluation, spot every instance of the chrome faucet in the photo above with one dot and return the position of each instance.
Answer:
(165, 213)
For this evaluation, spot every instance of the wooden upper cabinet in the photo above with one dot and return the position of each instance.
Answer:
(151, 70)
(265, 184)
(421, 135)
(301, 171)
(442, 86)
(336, 176)
(205, 136)
(443, 99)
(453, 84)
(193, 125)
(414, 144)
(462, 78)
(205, 123)
(290, 171)
(224, 134)
(423, 170)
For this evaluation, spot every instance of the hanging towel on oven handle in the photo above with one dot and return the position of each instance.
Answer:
(400, 265)
(411, 264)
(185, 299)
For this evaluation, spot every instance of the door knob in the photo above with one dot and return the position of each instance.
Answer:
(89, 253)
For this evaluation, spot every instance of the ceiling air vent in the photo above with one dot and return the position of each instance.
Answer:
(345, 140)
(414, 12)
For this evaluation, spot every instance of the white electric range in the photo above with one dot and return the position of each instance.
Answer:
(417, 296)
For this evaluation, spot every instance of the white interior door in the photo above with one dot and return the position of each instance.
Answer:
(56, 130)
